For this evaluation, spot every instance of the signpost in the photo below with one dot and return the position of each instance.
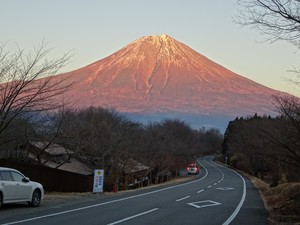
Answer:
(98, 181)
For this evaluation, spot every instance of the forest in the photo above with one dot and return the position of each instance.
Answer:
(267, 147)
(104, 138)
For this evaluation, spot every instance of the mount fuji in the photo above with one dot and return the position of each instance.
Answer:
(158, 77)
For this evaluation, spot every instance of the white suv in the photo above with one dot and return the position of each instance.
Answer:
(15, 187)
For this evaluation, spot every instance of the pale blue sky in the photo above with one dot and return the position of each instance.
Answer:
(94, 29)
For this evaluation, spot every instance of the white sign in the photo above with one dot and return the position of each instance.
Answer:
(98, 181)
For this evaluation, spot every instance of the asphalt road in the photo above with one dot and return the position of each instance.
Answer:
(218, 195)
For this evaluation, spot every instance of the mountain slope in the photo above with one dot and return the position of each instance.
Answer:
(157, 74)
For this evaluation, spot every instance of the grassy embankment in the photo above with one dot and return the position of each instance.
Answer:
(282, 201)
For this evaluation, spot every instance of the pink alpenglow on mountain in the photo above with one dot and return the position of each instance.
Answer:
(158, 74)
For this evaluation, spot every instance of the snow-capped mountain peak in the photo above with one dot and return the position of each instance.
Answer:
(160, 74)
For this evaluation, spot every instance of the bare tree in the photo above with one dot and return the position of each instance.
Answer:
(27, 83)
(275, 19)
(289, 107)
(279, 20)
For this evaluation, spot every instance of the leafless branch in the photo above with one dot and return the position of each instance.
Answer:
(275, 19)
(28, 84)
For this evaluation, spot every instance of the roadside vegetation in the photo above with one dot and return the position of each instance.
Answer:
(265, 147)
(34, 117)
(268, 149)
(130, 150)
(130, 153)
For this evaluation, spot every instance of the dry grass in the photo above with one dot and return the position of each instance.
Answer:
(78, 195)
(282, 202)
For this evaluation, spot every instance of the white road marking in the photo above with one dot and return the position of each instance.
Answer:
(132, 217)
(200, 191)
(238, 208)
(109, 202)
(225, 188)
(203, 204)
(209, 186)
(178, 200)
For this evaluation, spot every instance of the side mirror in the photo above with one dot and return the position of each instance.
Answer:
(25, 180)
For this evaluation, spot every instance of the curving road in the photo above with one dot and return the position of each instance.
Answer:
(218, 195)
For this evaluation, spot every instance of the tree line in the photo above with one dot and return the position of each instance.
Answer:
(262, 145)
(108, 139)
(103, 138)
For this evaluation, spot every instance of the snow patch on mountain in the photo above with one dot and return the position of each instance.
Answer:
(160, 74)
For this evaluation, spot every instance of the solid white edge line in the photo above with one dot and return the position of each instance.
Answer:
(238, 208)
(109, 202)
(134, 216)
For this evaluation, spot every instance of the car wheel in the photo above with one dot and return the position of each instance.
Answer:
(36, 198)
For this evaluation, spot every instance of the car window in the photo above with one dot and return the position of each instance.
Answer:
(17, 177)
(6, 176)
